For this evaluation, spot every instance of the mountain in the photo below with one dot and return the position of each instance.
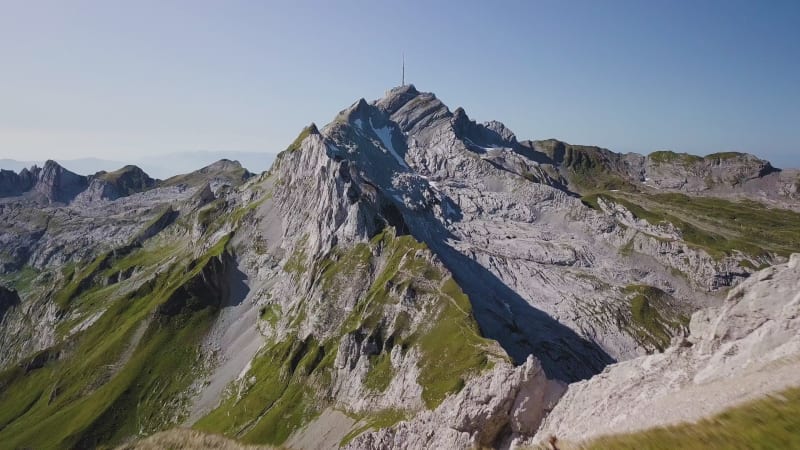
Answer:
(171, 164)
(50, 182)
(55, 184)
(403, 277)
(159, 166)
(119, 183)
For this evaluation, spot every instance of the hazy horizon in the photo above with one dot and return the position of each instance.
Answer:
(122, 82)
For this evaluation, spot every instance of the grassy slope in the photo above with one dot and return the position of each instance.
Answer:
(185, 439)
(666, 156)
(770, 423)
(718, 226)
(90, 396)
(654, 319)
(590, 169)
(293, 376)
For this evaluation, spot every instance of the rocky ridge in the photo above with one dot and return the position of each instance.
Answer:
(402, 277)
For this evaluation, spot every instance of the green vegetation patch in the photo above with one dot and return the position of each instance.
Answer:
(720, 227)
(283, 397)
(297, 262)
(380, 372)
(298, 141)
(81, 281)
(22, 280)
(591, 170)
(376, 421)
(124, 375)
(209, 213)
(667, 156)
(271, 313)
(289, 382)
(654, 319)
(452, 348)
(450, 344)
(724, 155)
(766, 424)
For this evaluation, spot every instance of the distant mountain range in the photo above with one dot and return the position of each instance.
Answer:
(160, 166)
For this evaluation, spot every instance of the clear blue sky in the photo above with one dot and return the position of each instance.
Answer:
(113, 78)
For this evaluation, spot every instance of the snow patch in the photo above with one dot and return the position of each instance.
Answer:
(385, 135)
(485, 149)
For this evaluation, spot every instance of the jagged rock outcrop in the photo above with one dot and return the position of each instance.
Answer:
(58, 184)
(221, 174)
(743, 349)
(586, 169)
(55, 184)
(113, 185)
(52, 182)
(589, 168)
(12, 183)
(497, 408)
(680, 171)
(208, 289)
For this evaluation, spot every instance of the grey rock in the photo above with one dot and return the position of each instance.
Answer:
(743, 349)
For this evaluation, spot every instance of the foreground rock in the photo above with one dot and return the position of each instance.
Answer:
(744, 349)
(493, 411)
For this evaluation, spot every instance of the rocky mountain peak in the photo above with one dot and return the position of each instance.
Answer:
(58, 184)
(395, 98)
(13, 184)
(128, 180)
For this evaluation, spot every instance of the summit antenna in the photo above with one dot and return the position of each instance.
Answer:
(403, 79)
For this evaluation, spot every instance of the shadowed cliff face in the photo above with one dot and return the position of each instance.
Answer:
(58, 184)
(208, 289)
(8, 299)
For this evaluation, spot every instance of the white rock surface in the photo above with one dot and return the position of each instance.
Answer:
(512, 397)
(744, 349)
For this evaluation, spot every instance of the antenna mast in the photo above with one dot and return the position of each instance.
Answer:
(403, 80)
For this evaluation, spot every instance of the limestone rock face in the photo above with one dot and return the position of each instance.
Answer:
(55, 184)
(495, 409)
(694, 174)
(98, 190)
(743, 349)
(113, 185)
(12, 183)
(58, 184)
(52, 182)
